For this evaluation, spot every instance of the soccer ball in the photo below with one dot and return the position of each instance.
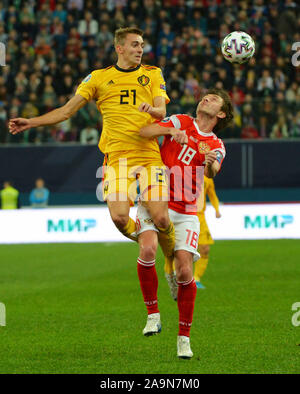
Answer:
(238, 47)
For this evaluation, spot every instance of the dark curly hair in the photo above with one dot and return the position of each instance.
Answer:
(227, 107)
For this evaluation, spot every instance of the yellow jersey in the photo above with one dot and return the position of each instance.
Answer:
(210, 191)
(118, 94)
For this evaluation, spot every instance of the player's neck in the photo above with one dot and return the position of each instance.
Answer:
(125, 65)
(205, 123)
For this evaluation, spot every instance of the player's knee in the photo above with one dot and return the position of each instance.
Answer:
(183, 273)
(161, 220)
(204, 251)
(120, 220)
(148, 251)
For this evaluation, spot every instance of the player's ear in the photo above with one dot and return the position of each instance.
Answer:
(221, 115)
(119, 49)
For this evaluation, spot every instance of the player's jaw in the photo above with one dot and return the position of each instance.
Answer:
(136, 58)
(132, 59)
(136, 52)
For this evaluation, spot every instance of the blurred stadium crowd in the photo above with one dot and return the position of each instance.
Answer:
(52, 45)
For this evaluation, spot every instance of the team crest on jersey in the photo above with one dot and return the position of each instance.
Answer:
(203, 148)
(143, 80)
(86, 79)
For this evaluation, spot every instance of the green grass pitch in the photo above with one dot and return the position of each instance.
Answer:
(77, 308)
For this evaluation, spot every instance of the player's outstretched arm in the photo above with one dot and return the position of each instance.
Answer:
(156, 130)
(58, 115)
(158, 110)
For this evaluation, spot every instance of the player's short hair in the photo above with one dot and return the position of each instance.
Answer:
(121, 34)
(227, 107)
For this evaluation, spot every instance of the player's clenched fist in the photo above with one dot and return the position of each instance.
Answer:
(17, 125)
(145, 107)
(180, 136)
(210, 157)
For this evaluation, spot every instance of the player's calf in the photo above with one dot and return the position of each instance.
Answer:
(172, 283)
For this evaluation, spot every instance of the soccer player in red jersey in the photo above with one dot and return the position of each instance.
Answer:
(189, 146)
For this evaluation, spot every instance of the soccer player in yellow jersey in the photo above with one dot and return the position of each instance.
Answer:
(129, 96)
(205, 239)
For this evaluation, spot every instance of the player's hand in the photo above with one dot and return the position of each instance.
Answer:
(145, 107)
(210, 157)
(18, 125)
(180, 137)
(218, 215)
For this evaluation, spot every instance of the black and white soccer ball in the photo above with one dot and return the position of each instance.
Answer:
(238, 47)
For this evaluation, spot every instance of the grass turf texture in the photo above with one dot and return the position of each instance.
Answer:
(77, 308)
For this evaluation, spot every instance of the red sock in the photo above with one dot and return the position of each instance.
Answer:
(186, 301)
(149, 284)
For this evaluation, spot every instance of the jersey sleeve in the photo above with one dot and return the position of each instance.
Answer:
(88, 87)
(220, 150)
(158, 86)
(176, 121)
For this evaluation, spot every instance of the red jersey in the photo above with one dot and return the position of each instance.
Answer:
(186, 163)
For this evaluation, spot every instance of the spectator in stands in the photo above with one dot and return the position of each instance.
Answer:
(187, 99)
(174, 106)
(105, 37)
(280, 129)
(75, 5)
(9, 196)
(3, 120)
(47, 38)
(249, 126)
(175, 82)
(88, 26)
(292, 92)
(295, 126)
(265, 84)
(60, 13)
(89, 135)
(39, 196)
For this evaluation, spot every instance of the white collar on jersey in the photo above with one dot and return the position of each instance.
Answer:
(201, 132)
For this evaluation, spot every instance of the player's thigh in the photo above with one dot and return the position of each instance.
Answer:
(203, 249)
(153, 182)
(144, 221)
(186, 232)
(119, 210)
(119, 184)
(158, 211)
